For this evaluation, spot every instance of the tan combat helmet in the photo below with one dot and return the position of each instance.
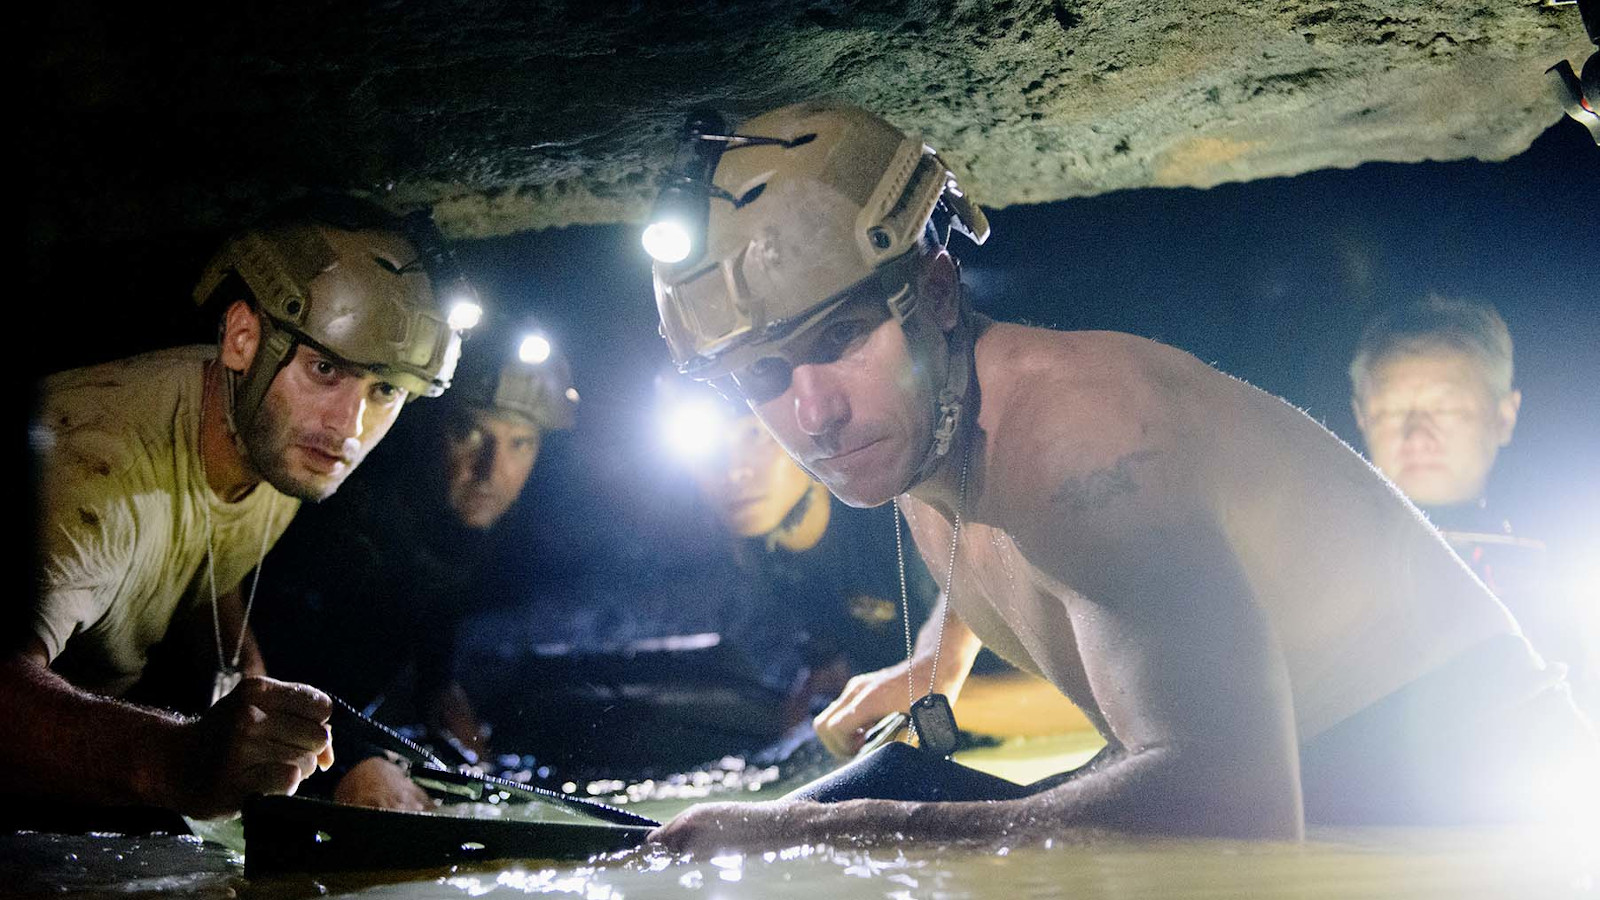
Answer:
(361, 295)
(517, 370)
(806, 202)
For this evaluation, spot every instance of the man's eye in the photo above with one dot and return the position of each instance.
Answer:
(764, 380)
(387, 392)
(838, 339)
(324, 368)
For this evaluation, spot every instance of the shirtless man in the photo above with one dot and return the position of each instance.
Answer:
(1262, 629)
(165, 478)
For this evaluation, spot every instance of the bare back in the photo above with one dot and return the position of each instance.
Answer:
(1130, 501)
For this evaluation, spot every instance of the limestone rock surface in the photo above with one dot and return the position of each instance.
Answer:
(507, 116)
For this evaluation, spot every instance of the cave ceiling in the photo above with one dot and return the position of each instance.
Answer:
(145, 119)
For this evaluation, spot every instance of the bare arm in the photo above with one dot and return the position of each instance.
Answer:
(264, 739)
(1186, 670)
(80, 745)
(1192, 687)
(1183, 666)
(872, 695)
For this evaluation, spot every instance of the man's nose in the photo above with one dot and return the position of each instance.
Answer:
(1418, 427)
(739, 471)
(820, 408)
(483, 466)
(347, 412)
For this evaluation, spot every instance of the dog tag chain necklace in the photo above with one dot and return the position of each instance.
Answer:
(931, 717)
(228, 673)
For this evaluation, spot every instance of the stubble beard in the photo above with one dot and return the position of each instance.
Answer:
(267, 440)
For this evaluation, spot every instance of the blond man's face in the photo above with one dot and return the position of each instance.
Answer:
(752, 484)
(1433, 424)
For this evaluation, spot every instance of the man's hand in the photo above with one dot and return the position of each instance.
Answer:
(263, 738)
(869, 697)
(380, 783)
(720, 826)
(450, 711)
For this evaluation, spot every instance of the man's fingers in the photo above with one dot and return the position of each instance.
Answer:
(287, 699)
(291, 733)
(842, 726)
(260, 754)
(270, 778)
(837, 737)
(376, 782)
(679, 834)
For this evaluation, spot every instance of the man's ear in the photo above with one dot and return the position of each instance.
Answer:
(1507, 410)
(939, 288)
(1361, 418)
(241, 336)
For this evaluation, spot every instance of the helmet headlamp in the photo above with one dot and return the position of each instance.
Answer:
(822, 201)
(517, 368)
(1579, 94)
(677, 228)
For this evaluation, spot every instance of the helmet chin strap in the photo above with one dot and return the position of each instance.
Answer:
(245, 392)
(230, 391)
(947, 415)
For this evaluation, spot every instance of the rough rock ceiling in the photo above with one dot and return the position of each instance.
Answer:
(149, 118)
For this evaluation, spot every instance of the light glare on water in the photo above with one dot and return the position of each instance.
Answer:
(1368, 863)
(1376, 863)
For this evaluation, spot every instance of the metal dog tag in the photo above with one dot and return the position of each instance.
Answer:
(226, 679)
(935, 724)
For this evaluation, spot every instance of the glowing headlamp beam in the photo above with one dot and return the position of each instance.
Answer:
(693, 429)
(667, 241)
(534, 349)
(464, 314)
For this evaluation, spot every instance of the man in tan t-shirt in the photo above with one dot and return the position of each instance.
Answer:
(1264, 632)
(164, 479)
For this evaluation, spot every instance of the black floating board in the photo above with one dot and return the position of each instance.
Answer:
(305, 835)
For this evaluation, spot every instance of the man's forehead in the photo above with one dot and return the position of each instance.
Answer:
(1442, 367)
(501, 420)
(1434, 364)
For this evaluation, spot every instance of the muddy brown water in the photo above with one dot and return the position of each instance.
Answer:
(1378, 863)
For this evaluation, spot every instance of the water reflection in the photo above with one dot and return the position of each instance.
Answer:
(1366, 862)
(101, 865)
(1372, 863)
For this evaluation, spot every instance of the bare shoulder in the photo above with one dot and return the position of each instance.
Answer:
(1085, 423)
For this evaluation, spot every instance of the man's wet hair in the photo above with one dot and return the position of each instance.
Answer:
(1432, 324)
